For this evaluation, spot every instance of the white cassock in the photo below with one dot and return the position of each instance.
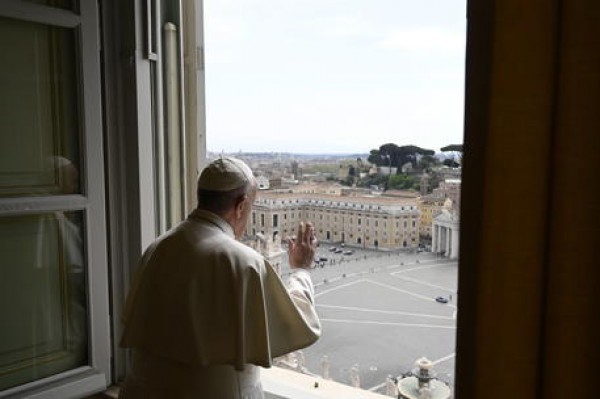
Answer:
(205, 310)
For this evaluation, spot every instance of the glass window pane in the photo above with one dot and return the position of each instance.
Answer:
(39, 112)
(43, 296)
(65, 4)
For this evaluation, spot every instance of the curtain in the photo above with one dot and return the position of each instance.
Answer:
(529, 274)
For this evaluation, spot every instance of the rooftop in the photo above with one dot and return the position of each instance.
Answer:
(363, 199)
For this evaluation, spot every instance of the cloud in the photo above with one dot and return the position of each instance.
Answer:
(424, 39)
(346, 26)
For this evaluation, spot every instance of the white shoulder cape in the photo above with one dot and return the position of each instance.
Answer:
(202, 298)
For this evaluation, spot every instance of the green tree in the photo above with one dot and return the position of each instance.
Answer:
(391, 154)
(351, 171)
(375, 158)
(456, 150)
(375, 180)
(402, 182)
(427, 162)
(452, 147)
(451, 163)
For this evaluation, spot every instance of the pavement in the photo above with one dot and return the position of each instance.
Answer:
(378, 312)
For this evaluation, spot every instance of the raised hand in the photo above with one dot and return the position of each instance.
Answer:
(301, 250)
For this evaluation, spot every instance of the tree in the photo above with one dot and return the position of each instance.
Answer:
(456, 151)
(348, 181)
(375, 180)
(427, 161)
(451, 163)
(392, 155)
(375, 158)
(351, 171)
(359, 163)
(401, 182)
(452, 147)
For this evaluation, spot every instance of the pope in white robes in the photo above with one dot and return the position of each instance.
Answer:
(205, 311)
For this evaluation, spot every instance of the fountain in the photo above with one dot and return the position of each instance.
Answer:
(421, 383)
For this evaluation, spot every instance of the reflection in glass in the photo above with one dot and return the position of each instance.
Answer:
(39, 112)
(65, 4)
(43, 300)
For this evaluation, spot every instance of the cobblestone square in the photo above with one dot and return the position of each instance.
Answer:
(378, 311)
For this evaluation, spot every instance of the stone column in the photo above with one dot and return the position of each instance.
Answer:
(434, 238)
(448, 231)
(455, 236)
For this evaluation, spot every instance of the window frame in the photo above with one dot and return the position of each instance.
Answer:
(93, 377)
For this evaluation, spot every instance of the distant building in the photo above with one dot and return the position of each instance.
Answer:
(355, 191)
(424, 181)
(296, 171)
(400, 193)
(262, 183)
(387, 170)
(429, 206)
(446, 231)
(446, 172)
(269, 248)
(316, 177)
(288, 182)
(343, 172)
(407, 167)
(366, 221)
(319, 188)
(276, 182)
(449, 188)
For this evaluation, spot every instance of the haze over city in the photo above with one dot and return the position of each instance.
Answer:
(333, 76)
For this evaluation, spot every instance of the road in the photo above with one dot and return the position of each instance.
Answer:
(378, 312)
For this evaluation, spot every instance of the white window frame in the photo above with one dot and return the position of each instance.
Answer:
(93, 377)
(135, 193)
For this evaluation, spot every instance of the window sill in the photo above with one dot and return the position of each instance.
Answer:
(279, 383)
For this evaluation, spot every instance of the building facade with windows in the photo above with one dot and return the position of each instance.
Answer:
(449, 188)
(363, 221)
(429, 206)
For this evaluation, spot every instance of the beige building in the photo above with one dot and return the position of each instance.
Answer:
(449, 188)
(367, 221)
(318, 188)
(429, 207)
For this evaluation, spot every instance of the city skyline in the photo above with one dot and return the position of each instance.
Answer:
(314, 77)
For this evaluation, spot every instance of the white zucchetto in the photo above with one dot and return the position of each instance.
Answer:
(225, 174)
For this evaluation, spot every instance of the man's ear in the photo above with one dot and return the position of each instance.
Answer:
(240, 204)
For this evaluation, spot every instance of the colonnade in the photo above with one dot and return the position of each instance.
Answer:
(445, 239)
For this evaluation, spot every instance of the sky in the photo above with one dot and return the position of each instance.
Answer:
(333, 76)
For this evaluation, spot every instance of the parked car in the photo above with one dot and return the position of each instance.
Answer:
(338, 250)
(333, 249)
(348, 252)
(441, 299)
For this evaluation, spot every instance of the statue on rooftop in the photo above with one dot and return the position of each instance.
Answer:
(354, 376)
(390, 387)
(325, 367)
